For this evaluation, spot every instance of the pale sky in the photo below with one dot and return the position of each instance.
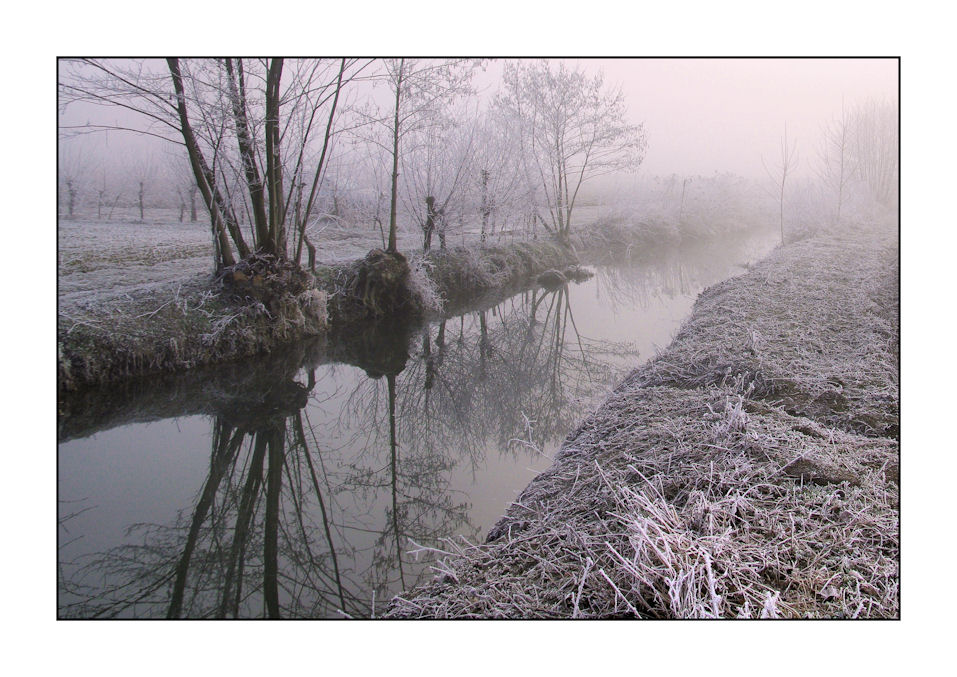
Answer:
(707, 115)
(703, 116)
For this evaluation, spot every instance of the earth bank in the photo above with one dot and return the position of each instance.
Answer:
(751, 470)
(258, 305)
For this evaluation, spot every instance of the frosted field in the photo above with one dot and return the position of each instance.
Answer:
(100, 261)
(103, 261)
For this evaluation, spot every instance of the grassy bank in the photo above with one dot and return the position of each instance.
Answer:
(147, 326)
(751, 470)
(168, 328)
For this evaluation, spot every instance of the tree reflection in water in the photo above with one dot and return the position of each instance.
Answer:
(315, 493)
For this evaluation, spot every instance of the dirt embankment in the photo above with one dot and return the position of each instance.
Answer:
(135, 328)
(751, 470)
(258, 307)
(162, 329)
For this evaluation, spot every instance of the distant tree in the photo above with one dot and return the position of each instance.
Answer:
(785, 167)
(179, 176)
(497, 171)
(435, 172)
(570, 128)
(874, 148)
(74, 170)
(420, 90)
(141, 172)
(837, 164)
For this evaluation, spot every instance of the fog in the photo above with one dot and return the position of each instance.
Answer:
(701, 116)
(724, 115)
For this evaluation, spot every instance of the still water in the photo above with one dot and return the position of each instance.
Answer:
(318, 483)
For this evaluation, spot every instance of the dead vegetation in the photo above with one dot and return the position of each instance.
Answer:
(821, 342)
(750, 471)
(173, 327)
(466, 271)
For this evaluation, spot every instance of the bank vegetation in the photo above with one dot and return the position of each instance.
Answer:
(751, 470)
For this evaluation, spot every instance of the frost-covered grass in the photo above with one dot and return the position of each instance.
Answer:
(99, 260)
(138, 295)
(751, 470)
(822, 342)
(462, 272)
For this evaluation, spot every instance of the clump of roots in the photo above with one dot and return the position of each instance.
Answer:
(375, 286)
(265, 279)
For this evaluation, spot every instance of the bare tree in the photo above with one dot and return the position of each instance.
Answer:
(779, 175)
(497, 171)
(420, 91)
(875, 148)
(250, 128)
(435, 170)
(837, 166)
(570, 128)
(141, 174)
(179, 176)
(74, 170)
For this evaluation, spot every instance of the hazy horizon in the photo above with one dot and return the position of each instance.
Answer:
(701, 115)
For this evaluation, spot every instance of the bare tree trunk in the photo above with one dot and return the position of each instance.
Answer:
(271, 526)
(200, 168)
(486, 205)
(681, 205)
(788, 163)
(299, 186)
(140, 197)
(395, 160)
(314, 191)
(429, 226)
(276, 243)
(781, 203)
(71, 194)
(394, 447)
(254, 183)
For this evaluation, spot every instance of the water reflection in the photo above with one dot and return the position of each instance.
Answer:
(327, 465)
(313, 496)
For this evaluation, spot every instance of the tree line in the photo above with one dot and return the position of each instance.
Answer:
(271, 148)
(270, 152)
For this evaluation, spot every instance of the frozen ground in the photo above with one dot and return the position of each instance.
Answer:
(100, 260)
(751, 470)
(108, 261)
